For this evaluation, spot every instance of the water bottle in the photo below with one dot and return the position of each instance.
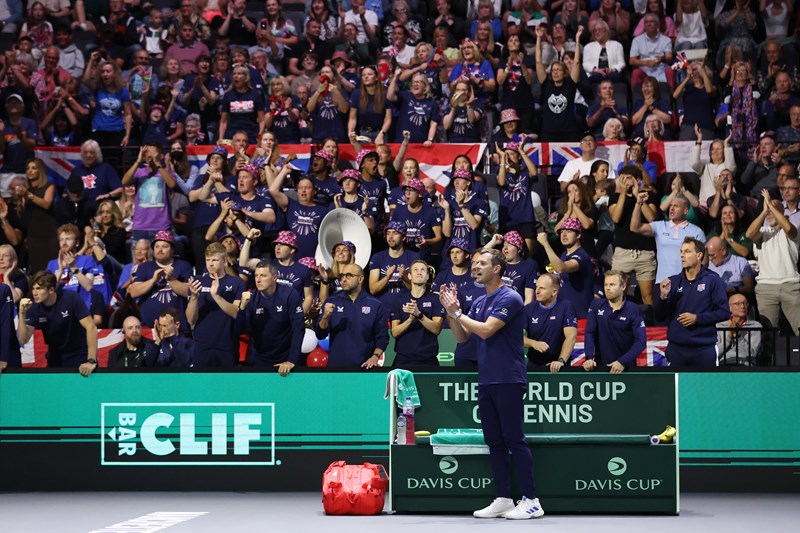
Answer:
(401, 429)
(408, 414)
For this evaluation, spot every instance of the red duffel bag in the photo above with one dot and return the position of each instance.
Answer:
(354, 489)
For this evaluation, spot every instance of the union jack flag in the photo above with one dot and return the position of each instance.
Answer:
(653, 355)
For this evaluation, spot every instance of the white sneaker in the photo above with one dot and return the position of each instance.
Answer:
(497, 509)
(526, 509)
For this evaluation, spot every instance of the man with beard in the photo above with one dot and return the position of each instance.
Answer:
(373, 186)
(497, 319)
(423, 225)
(76, 272)
(303, 216)
(320, 172)
(386, 267)
(273, 316)
(162, 282)
(615, 331)
(130, 353)
(551, 327)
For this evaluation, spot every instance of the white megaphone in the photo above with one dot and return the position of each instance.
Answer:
(343, 225)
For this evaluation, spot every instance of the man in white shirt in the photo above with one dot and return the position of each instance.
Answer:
(651, 54)
(365, 21)
(581, 166)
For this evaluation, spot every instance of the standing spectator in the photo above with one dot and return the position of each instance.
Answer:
(615, 331)
(614, 14)
(152, 180)
(559, 120)
(691, 19)
(581, 166)
(303, 216)
(240, 29)
(732, 232)
(37, 27)
(370, 112)
(514, 182)
(778, 281)
(693, 301)
(418, 111)
(423, 225)
(39, 195)
(111, 125)
(329, 108)
(190, 11)
(242, 107)
(515, 76)
(100, 180)
(121, 28)
(76, 273)
(273, 316)
(461, 122)
(416, 318)
(521, 271)
(743, 99)
(329, 22)
(353, 199)
(283, 111)
(578, 204)
(720, 157)
(735, 31)
(734, 270)
(777, 107)
(464, 213)
(214, 301)
(71, 57)
(574, 266)
(283, 30)
(697, 91)
(551, 326)
(364, 20)
(356, 323)
(69, 332)
(739, 337)
(386, 268)
(188, 48)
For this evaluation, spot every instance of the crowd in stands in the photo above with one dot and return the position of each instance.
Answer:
(143, 236)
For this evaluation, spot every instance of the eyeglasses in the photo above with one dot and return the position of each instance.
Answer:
(739, 303)
(401, 10)
(347, 275)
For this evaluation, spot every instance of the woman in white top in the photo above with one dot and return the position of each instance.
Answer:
(721, 157)
(603, 58)
(691, 18)
(776, 15)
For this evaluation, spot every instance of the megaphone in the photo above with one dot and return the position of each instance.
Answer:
(343, 225)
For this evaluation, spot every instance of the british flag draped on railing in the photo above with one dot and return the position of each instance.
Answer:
(653, 355)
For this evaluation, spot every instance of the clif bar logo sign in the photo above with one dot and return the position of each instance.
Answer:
(197, 434)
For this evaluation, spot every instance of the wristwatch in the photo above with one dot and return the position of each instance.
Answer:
(92, 361)
(457, 314)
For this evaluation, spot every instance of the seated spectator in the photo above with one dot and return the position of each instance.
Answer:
(122, 31)
(311, 45)
(653, 129)
(665, 25)
(735, 270)
(364, 20)
(730, 229)
(790, 193)
(697, 93)
(761, 171)
(720, 157)
(486, 11)
(738, 338)
(773, 61)
(329, 20)
(691, 19)
(142, 253)
(444, 17)
(571, 17)
(650, 103)
(605, 109)
(725, 195)
(613, 130)
(12, 275)
(777, 283)
(169, 348)
(776, 108)
(651, 54)
(615, 16)
(669, 235)
(130, 353)
(37, 27)
(788, 137)
(69, 332)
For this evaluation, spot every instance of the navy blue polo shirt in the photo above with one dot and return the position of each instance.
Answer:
(62, 329)
(501, 356)
(215, 330)
(357, 328)
(547, 324)
(578, 287)
(417, 345)
(275, 325)
(614, 335)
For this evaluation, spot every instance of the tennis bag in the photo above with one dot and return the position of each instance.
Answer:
(354, 489)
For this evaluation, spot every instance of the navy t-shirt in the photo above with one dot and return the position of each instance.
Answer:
(547, 324)
(296, 276)
(161, 296)
(462, 131)
(98, 180)
(242, 109)
(328, 121)
(558, 107)
(501, 356)
(285, 130)
(578, 287)
(326, 190)
(521, 276)
(63, 333)
(377, 189)
(214, 329)
(461, 228)
(417, 345)
(370, 120)
(16, 154)
(516, 89)
(419, 224)
(415, 115)
(304, 222)
(381, 261)
(515, 199)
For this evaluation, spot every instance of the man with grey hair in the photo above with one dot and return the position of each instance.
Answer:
(100, 180)
(273, 316)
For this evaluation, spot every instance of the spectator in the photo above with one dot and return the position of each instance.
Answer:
(370, 113)
(651, 54)
(355, 321)
(108, 228)
(284, 112)
(464, 213)
(615, 16)
(634, 253)
(237, 25)
(613, 130)
(581, 166)
(188, 48)
(154, 36)
(69, 332)
(77, 273)
(36, 201)
(490, 49)
(313, 44)
(778, 281)
(329, 108)
(739, 337)
(666, 26)
(418, 111)
(521, 272)
(697, 92)
(99, 178)
(140, 79)
(743, 101)
(605, 109)
(353, 199)
(152, 180)
(364, 20)
(693, 301)
(514, 182)
(650, 103)
(130, 353)
(329, 21)
(762, 169)
(724, 195)
(776, 109)
(189, 12)
(788, 137)
(402, 17)
(734, 30)
(17, 143)
(303, 216)
(444, 17)
(574, 265)
(416, 318)
(461, 121)
(121, 28)
(732, 232)
(515, 76)
(776, 15)
(720, 157)
(423, 225)
(486, 11)
(212, 312)
(242, 107)
(352, 49)
(791, 198)
(772, 62)
(734, 270)
(558, 94)
(12, 14)
(636, 155)
(615, 329)
(603, 58)
(160, 283)
(10, 355)
(169, 348)
(386, 268)
(75, 207)
(273, 317)
(551, 326)
(37, 27)
(372, 185)
(10, 273)
(111, 125)
(691, 19)
(680, 188)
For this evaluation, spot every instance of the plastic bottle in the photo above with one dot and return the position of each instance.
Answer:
(408, 414)
(401, 429)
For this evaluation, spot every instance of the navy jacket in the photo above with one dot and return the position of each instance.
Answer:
(614, 335)
(356, 328)
(705, 297)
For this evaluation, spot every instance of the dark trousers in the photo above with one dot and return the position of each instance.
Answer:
(501, 411)
(679, 355)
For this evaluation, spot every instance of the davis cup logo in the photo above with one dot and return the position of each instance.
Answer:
(617, 466)
(448, 465)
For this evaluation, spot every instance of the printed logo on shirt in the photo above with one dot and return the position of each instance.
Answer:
(552, 318)
(89, 182)
(228, 288)
(535, 320)
(641, 325)
(623, 318)
(260, 311)
(279, 308)
(426, 304)
(365, 310)
(64, 314)
(42, 320)
(601, 312)
(557, 103)
(680, 289)
(503, 312)
(468, 298)
(298, 309)
(243, 106)
(701, 287)
(340, 309)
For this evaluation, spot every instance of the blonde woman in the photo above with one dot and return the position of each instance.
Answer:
(283, 112)
(39, 196)
(418, 111)
(242, 96)
(112, 126)
(461, 122)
